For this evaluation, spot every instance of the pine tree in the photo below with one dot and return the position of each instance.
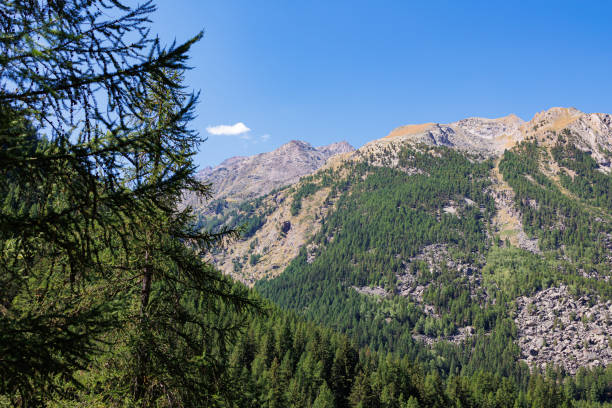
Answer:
(411, 403)
(361, 393)
(95, 152)
(343, 372)
(325, 398)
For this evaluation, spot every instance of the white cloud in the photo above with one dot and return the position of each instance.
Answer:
(265, 137)
(228, 130)
(246, 136)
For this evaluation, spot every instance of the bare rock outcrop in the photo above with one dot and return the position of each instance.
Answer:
(489, 137)
(376, 291)
(554, 328)
(463, 333)
(242, 178)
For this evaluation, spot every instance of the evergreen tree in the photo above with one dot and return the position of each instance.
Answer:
(95, 152)
(325, 399)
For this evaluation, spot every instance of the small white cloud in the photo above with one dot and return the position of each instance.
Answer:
(246, 136)
(265, 137)
(228, 130)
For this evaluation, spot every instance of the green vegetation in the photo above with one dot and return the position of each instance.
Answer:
(102, 285)
(283, 361)
(517, 272)
(383, 221)
(105, 299)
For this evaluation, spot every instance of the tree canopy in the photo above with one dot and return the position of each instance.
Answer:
(97, 258)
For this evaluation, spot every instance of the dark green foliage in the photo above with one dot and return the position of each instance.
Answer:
(305, 190)
(385, 220)
(253, 259)
(281, 360)
(98, 266)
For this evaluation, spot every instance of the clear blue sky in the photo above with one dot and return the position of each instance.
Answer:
(325, 71)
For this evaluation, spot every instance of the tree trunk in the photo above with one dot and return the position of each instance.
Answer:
(143, 357)
(145, 285)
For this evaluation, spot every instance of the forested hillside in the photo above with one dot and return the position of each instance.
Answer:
(281, 360)
(446, 265)
(462, 260)
(415, 259)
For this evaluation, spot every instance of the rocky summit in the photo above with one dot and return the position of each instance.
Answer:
(241, 178)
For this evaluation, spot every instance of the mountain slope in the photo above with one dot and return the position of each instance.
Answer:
(241, 178)
(473, 233)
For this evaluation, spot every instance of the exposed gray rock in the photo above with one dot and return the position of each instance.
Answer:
(463, 333)
(241, 178)
(554, 328)
(489, 137)
(371, 291)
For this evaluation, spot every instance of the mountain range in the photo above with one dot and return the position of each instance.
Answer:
(491, 235)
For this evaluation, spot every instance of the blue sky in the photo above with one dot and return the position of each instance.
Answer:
(325, 71)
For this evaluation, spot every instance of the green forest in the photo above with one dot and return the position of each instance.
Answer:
(384, 217)
(106, 297)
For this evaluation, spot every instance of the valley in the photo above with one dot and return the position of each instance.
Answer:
(183, 222)
(442, 233)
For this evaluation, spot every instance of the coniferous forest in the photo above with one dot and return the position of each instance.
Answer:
(108, 297)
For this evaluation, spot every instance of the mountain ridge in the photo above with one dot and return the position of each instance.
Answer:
(498, 211)
(240, 178)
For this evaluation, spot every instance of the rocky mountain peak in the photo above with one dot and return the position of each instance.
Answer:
(336, 148)
(589, 132)
(489, 128)
(295, 145)
(245, 177)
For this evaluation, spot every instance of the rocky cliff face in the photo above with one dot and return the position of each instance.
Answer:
(242, 178)
(476, 135)
(491, 137)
